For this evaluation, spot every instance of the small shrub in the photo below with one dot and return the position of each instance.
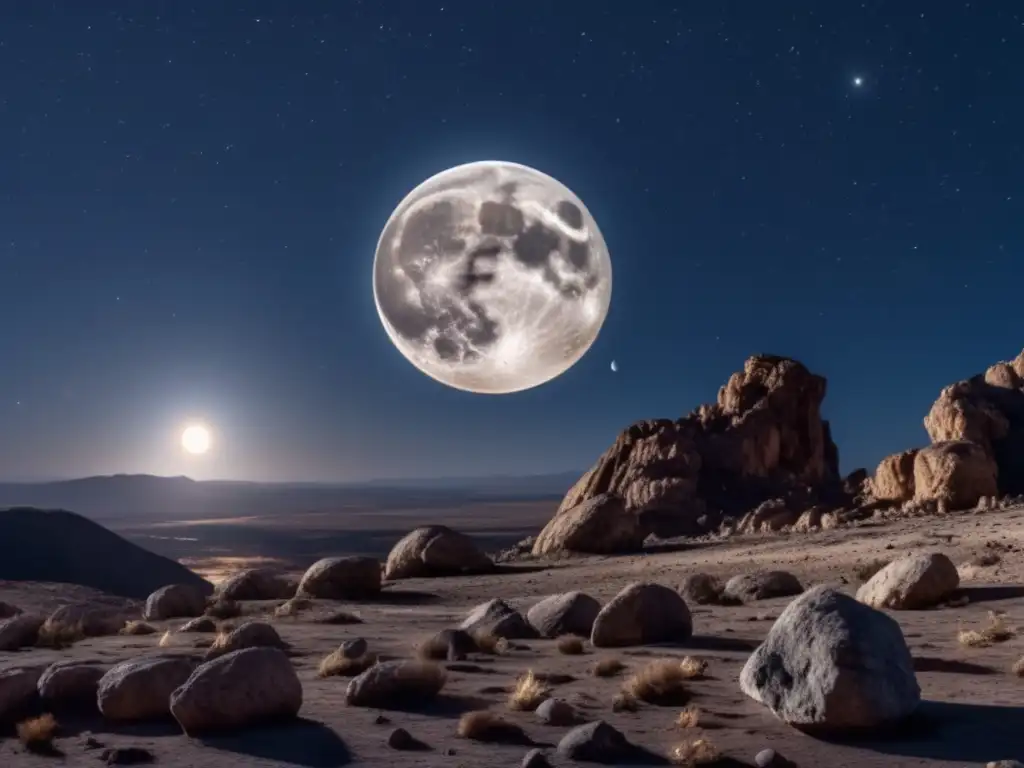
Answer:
(699, 752)
(37, 733)
(995, 631)
(490, 727)
(688, 718)
(661, 682)
(608, 667)
(338, 618)
(570, 645)
(625, 702)
(59, 634)
(336, 664)
(528, 694)
(222, 608)
(490, 643)
(292, 607)
(138, 628)
(693, 668)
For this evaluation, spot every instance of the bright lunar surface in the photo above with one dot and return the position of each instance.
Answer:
(492, 277)
(196, 439)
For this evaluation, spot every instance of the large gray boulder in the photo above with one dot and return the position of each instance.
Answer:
(19, 631)
(395, 684)
(18, 690)
(243, 688)
(435, 550)
(341, 578)
(498, 618)
(141, 689)
(571, 613)
(71, 684)
(175, 601)
(831, 663)
(600, 525)
(640, 614)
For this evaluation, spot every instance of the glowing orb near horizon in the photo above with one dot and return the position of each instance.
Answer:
(492, 277)
(196, 439)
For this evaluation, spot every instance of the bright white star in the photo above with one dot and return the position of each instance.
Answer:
(858, 82)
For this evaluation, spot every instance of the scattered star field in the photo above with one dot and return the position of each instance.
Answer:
(190, 196)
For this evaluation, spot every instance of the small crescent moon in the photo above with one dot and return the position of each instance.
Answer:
(615, 366)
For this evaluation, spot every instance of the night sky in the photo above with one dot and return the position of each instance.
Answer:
(191, 195)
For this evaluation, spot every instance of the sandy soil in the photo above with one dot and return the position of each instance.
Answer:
(974, 710)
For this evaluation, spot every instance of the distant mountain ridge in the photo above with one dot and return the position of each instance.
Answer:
(142, 497)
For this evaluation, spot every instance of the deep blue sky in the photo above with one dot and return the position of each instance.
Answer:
(191, 194)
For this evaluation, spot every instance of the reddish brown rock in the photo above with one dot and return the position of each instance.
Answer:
(763, 439)
(988, 410)
(956, 472)
(894, 478)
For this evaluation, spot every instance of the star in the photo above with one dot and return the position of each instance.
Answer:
(858, 81)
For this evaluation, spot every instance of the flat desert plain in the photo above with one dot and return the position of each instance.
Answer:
(972, 713)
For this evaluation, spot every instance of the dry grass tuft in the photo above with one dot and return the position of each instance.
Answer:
(338, 618)
(693, 668)
(224, 609)
(529, 692)
(167, 639)
(865, 571)
(490, 643)
(336, 664)
(688, 718)
(663, 682)
(1018, 667)
(625, 702)
(59, 634)
(37, 733)
(570, 645)
(137, 627)
(608, 667)
(986, 560)
(995, 631)
(482, 725)
(699, 752)
(292, 607)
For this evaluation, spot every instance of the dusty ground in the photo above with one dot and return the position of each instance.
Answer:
(974, 710)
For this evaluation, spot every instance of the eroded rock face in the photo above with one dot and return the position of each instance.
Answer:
(957, 472)
(763, 439)
(832, 664)
(894, 478)
(987, 410)
(435, 550)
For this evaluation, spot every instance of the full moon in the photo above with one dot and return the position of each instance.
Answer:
(196, 439)
(492, 277)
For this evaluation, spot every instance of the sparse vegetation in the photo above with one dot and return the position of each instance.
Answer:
(137, 627)
(482, 725)
(663, 682)
(59, 634)
(995, 631)
(865, 571)
(37, 733)
(608, 667)
(529, 692)
(167, 639)
(336, 664)
(570, 645)
(699, 752)
(223, 608)
(338, 618)
(688, 718)
(490, 643)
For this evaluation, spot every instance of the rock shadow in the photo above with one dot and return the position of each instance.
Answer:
(993, 593)
(961, 733)
(716, 643)
(399, 597)
(302, 742)
(935, 664)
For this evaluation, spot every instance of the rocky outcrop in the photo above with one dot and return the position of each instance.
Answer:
(988, 410)
(763, 439)
(435, 550)
(957, 472)
(894, 478)
(599, 526)
(830, 663)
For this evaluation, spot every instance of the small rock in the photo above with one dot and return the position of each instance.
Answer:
(256, 584)
(571, 613)
(380, 720)
(596, 742)
(535, 758)
(498, 618)
(201, 624)
(174, 601)
(251, 634)
(701, 589)
(19, 631)
(17, 689)
(762, 585)
(769, 758)
(641, 614)
(911, 583)
(391, 684)
(91, 742)
(67, 684)
(127, 756)
(449, 752)
(354, 648)
(556, 712)
(401, 739)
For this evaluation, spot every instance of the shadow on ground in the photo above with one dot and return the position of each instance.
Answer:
(988, 594)
(935, 664)
(972, 733)
(303, 743)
